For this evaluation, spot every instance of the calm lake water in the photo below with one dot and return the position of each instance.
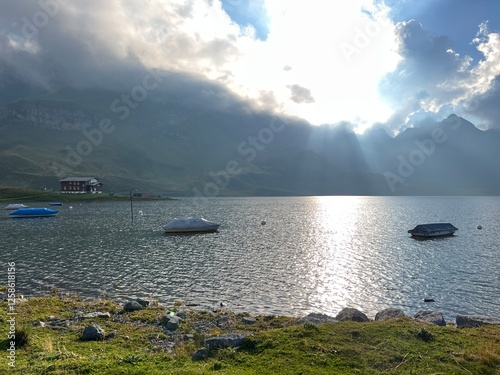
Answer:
(315, 254)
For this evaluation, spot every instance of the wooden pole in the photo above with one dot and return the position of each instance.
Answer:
(131, 208)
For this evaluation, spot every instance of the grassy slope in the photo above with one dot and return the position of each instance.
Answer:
(276, 347)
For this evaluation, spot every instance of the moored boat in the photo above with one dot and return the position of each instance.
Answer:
(33, 212)
(190, 225)
(433, 230)
(15, 206)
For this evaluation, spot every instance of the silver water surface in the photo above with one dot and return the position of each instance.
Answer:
(314, 254)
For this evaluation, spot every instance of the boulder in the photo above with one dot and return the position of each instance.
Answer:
(142, 302)
(349, 313)
(472, 321)
(200, 354)
(390, 313)
(132, 306)
(430, 317)
(173, 323)
(93, 332)
(230, 340)
(316, 318)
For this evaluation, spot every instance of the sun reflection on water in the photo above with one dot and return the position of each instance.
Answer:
(333, 263)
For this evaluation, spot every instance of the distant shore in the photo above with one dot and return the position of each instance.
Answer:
(17, 195)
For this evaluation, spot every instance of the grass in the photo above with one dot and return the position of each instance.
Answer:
(274, 345)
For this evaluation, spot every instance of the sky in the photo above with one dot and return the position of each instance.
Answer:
(365, 62)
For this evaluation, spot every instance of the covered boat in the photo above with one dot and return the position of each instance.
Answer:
(433, 230)
(15, 206)
(33, 212)
(190, 225)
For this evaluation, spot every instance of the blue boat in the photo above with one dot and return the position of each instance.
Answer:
(55, 203)
(33, 212)
(433, 230)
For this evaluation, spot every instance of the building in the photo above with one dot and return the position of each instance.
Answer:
(81, 185)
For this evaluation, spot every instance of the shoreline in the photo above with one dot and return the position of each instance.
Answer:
(60, 332)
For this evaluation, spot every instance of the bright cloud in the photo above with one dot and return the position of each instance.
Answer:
(325, 61)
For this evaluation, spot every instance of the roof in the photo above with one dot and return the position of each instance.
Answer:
(78, 179)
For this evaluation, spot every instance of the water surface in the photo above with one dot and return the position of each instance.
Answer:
(314, 254)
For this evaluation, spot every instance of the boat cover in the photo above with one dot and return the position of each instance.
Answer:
(33, 212)
(191, 223)
(435, 227)
(15, 206)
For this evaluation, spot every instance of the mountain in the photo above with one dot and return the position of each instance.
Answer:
(208, 143)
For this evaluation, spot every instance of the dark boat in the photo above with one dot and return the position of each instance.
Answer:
(433, 230)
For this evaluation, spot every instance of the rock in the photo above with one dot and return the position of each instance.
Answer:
(200, 354)
(430, 317)
(248, 320)
(173, 323)
(142, 302)
(472, 321)
(97, 314)
(132, 306)
(316, 318)
(111, 335)
(39, 323)
(231, 340)
(182, 314)
(93, 332)
(221, 321)
(390, 313)
(348, 313)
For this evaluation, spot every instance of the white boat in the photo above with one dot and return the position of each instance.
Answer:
(433, 230)
(190, 225)
(15, 206)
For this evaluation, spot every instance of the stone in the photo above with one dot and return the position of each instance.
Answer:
(97, 314)
(200, 354)
(349, 313)
(230, 340)
(142, 302)
(472, 321)
(221, 321)
(93, 332)
(316, 318)
(390, 313)
(248, 320)
(430, 317)
(173, 323)
(132, 306)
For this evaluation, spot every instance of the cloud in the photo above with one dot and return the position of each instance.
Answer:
(112, 44)
(434, 80)
(300, 94)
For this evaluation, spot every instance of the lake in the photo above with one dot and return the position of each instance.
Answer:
(314, 254)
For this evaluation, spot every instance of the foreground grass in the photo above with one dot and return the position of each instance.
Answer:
(275, 346)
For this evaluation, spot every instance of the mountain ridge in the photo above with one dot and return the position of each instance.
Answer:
(172, 147)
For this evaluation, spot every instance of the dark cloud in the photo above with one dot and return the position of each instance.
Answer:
(300, 94)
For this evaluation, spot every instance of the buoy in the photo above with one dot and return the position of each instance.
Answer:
(70, 207)
(479, 227)
(263, 222)
(141, 213)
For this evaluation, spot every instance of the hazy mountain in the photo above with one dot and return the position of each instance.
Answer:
(214, 144)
